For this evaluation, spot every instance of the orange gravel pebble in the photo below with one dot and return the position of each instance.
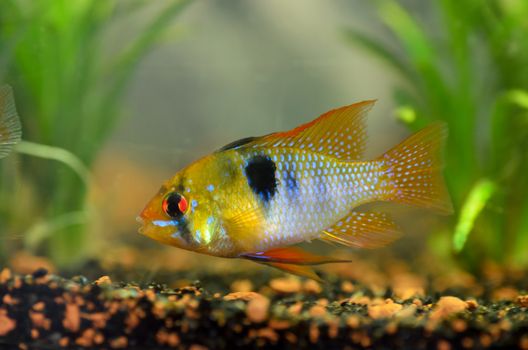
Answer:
(296, 308)
(312, 287)
(285, 285)
(257, 309)
(459, 325)
(103, 280)
(523, 343)
(447, 306)
(72, 318)
(5, 275)
(522, 300)
(242, 286)
(119, 343)
(472, 304)
(246, 296)
(347, 287)
(443, 345)
(317, 311)
(384, 310)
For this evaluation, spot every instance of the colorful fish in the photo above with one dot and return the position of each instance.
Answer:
(258, 196)
(10, 130)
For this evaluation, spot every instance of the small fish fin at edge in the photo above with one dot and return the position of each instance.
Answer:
(10, 129)
(339, 133)
(291, 256)
(363, 230)
(298, 270)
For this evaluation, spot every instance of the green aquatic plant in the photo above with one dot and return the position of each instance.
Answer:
(464, 62)
(69, 84)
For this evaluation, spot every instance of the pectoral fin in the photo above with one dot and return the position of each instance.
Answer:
(243, 227)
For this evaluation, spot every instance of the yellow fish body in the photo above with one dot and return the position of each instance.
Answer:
(258, 196)
(10, 130)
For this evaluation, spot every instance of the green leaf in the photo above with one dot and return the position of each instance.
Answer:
(518, 97)
(406, 114)
(475, 202)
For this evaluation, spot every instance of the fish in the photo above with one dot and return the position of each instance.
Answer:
(10, 128)
(259, 197)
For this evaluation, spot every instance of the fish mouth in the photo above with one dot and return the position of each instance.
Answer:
(141, 221)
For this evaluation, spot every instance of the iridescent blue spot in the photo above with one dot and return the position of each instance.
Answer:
(165, 223)
(194, 203)
(210, 188)
(210, 220)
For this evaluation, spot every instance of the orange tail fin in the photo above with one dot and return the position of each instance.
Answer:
(414, 170)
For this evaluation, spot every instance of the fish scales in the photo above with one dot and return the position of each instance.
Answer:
(325, 190)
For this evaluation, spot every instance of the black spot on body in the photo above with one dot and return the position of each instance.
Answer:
(260, 173)
(237, 143)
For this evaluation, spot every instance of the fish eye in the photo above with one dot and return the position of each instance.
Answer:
(175, 205)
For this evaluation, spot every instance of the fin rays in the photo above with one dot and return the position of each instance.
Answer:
(415, 169)
(340, 133)
(363, 230)
(10, 129)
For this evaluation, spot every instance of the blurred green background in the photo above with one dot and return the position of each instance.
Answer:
(116, 96)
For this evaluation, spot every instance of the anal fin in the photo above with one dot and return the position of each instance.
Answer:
(363, 230)
(298, 270)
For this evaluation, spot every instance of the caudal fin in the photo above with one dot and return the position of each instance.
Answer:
(414, 170)
(10, 130)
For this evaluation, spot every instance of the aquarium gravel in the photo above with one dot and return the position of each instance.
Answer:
(42, 310)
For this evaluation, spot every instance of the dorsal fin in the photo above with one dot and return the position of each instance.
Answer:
(339, 133)
(238, 143)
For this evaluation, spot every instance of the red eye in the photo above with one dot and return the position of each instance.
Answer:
(175, 205)
(183, 205)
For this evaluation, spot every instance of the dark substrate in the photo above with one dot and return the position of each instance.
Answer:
(45, 311)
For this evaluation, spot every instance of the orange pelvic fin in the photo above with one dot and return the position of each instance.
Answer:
(363, 230)
(290, 256)
(10, 130)
(298, 270)
(340, 133)
(414, 168)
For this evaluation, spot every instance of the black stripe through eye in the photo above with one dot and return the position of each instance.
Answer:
(260, 173)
